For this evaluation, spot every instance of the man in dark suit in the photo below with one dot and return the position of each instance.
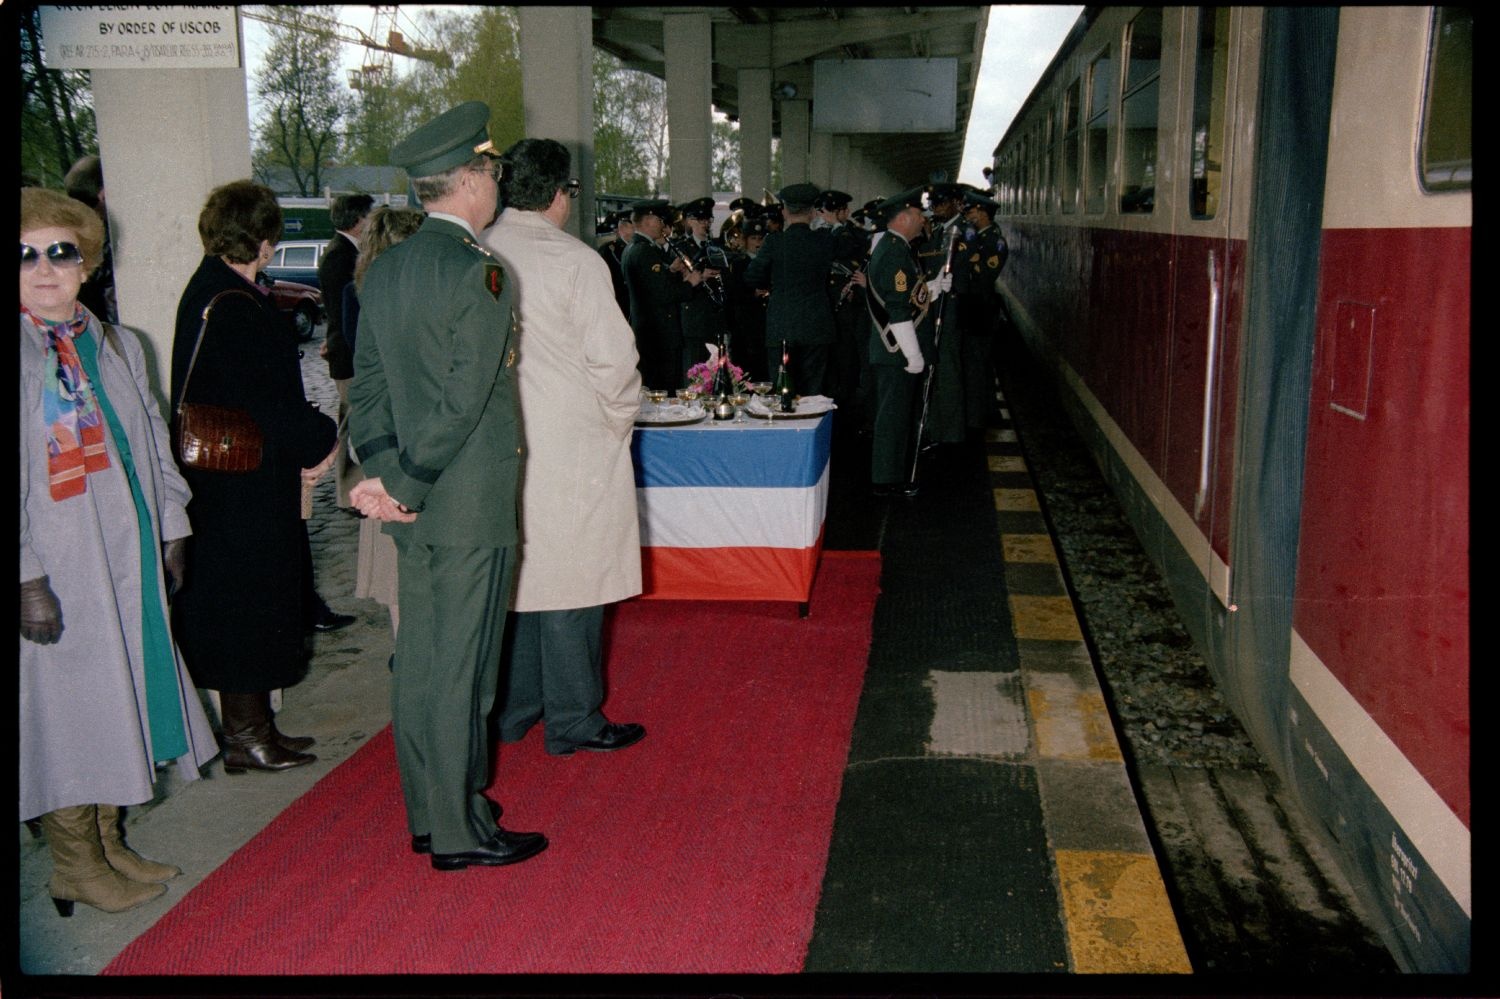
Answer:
(658, 285)
(436, 423)
(335, 271)
(794, 264)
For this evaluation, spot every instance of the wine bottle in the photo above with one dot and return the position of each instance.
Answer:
(723, 383)
(783, 384)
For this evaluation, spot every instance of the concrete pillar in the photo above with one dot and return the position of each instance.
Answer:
(795, 121)
(165, 140)
(557, 88)
(755, 131)
(688, 40)
(819, 158)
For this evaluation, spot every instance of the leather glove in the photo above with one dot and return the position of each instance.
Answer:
(906, 338)
(41, 613)
(174, 559)
(941, 285)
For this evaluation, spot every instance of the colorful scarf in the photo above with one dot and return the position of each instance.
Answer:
(75, 424)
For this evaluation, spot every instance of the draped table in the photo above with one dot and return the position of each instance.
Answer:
(732, 511)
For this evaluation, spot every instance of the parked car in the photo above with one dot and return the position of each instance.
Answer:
(301, 304)
(297, 260)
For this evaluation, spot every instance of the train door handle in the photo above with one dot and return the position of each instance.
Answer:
(1208, 385)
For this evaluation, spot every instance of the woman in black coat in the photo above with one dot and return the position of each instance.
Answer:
(238, 618)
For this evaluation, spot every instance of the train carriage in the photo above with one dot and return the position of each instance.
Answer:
(1242, 238)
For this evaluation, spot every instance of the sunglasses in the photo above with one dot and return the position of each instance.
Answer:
(58, 254)
(573, 187)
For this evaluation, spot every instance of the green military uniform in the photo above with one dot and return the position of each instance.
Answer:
(898, 285)
(979, 311)
(435, 416)
(945, 413)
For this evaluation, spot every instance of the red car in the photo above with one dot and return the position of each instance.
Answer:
(302, 305)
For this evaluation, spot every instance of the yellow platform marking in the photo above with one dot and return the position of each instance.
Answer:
(1016, 500)
(1044, 618)
(993, 436)
(1118, 918)
(1028, 548)
(1070, 719)
(1007, 463)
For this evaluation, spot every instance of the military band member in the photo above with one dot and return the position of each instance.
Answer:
(979, 308)
(794, 266)
(619, 225)
(658, 284)
(747, 307)
(434, 418)
(945, 413)
(845, 280)
(703, 311)
(898, 292)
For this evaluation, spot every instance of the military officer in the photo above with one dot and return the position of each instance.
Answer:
(658, 285)
(794, 266)
(942, 256)
(979, 307)
(898, 293)
(434, 419)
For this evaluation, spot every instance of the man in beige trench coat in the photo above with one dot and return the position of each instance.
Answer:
(580, 393)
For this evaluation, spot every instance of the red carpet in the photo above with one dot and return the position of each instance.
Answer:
(702, 849)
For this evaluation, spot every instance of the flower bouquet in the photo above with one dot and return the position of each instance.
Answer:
(700, 376)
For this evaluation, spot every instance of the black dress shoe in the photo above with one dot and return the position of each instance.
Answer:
(610, 738)
(500, 849)
(327, 620)
(422, 843)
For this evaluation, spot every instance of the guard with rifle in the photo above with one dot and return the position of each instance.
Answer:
(940, 255)
(897, 303)
(794, 266)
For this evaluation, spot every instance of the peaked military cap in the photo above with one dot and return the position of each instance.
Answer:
(832, 201)
(749, 207)
(799, 194)
(910, 198)
(451, 139)
(754, 226)
(701, 208)
(606, 225)
(662, 209)
(978, 199)
(946, 192)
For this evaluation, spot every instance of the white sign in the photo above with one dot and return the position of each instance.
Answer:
(132, 37)
(885, 95)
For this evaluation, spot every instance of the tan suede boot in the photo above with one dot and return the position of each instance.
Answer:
(122, 858)
(79, 871)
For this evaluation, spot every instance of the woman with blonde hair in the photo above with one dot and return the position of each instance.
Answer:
(104, 696)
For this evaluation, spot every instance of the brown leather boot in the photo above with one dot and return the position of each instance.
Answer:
(122, 858)
(296, 743)
(79, 871)
(248, 744)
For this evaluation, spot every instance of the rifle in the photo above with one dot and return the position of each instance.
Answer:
(937, 338)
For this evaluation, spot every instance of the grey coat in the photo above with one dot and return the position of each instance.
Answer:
(83, 738)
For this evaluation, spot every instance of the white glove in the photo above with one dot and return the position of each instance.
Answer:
(941, 284)
(906, 337)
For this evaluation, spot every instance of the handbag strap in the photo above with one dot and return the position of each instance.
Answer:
(203, 328)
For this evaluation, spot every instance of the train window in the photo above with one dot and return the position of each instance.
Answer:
(1210, 95)
(1139, 105)
(1447, 129)
(1070, 119)
(1096, 137)
(1049, 179)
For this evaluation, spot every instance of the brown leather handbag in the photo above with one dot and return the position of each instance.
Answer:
(214, 438)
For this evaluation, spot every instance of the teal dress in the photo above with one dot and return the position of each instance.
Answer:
(168, 738)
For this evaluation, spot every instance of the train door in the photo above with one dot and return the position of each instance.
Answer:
(1284, 245)
(1215, 101)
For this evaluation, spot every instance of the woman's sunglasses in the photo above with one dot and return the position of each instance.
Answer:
(58, 255)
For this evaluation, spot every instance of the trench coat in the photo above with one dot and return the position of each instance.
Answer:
(239, 620)
(83, 739)
(580, 393)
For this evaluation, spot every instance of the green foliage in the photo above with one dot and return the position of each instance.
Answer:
(57, 111)
(726, 155)
(303, 99)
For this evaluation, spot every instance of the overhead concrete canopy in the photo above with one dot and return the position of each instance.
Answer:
(789, 40)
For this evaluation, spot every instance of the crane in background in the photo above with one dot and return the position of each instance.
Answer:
(377, 67)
